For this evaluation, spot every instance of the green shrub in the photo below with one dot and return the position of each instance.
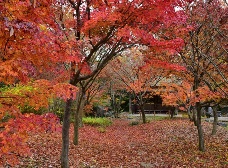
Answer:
(103, 122)
(57, 106)
(59, 113)
(6, 118)
(134, 123)
(157, 118)
(29, 109)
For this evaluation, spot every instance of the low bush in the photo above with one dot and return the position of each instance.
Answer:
(157, 118)
(104, 122)
(134, 123)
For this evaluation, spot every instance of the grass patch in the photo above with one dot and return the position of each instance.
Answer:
(102, 122)
(157, 118)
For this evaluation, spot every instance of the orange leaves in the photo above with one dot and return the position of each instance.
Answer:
(27, 11)
(49, 90)
(176, 93)
(26, 37)
(166, 143)
(139, 86)
(37, 95)
(65, 91)
(204, 94)
(99, 24)
(15, 133)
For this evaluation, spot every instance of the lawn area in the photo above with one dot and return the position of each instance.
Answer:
(165, 143)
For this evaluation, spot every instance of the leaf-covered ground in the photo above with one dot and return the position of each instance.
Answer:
(167, 143)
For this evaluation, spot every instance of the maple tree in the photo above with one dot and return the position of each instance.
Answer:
(88, 90)
(24, 27)
(139, 76)
(102, 29)
(81, 36)
(97, 94)
(205, 56)
(15, 132)
(115, 89)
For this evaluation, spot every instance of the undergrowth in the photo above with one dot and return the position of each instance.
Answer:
(102, 122)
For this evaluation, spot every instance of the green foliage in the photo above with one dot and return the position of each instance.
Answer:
(5, 118)
(103, 122)
(17, 90)
(104, 100)
(157, 118)
(60, 114)
(134, 123)
(29, 109)
(57, 107)
(20, 95)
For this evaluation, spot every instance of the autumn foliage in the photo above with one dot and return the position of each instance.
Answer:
(167, 143)
(15, 135)
(46, 44)
(32, 94)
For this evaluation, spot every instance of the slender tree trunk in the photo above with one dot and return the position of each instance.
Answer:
(171, 114)
(199, 128)
(143, 115)
(65, 135)
(190, 116)
(118, 106)
(215, 122)
(194, 116)
(130, 105)
(81, 112)
(81, 105)
(142, 110)
(76, 128)
(78, 123)
(78, 115)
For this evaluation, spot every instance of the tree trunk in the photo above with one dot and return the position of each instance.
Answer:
(130, 105)
(141, 106)
(76, 128)
(118, 107)
(143, 115)
(65, 135)
(195, 116)
(78, 115)
(199, 128)
(190, 116)
(81, 112)
(215, 122)
(171, 113)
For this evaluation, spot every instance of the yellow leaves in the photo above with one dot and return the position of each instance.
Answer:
(35, 95)
(18, 90)
(43, 27)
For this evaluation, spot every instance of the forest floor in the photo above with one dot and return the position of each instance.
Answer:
(165, 143)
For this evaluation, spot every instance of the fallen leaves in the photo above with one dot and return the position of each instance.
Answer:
(167, 143)
(16, 132)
